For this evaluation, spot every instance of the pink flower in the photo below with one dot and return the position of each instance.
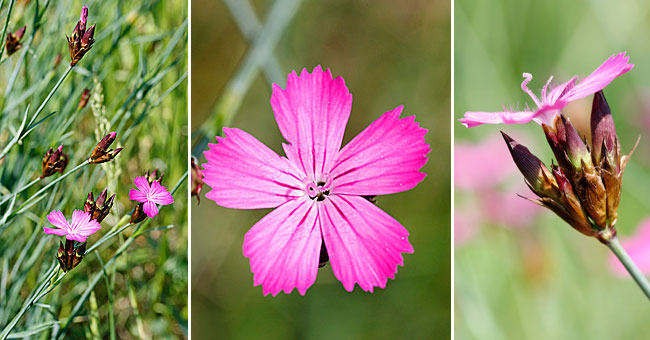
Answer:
(638, 249)
(555, 100)
(150, 195)
(481, 165)
(78, 229)
(318, 188)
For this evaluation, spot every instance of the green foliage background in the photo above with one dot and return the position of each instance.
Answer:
(389, 54)
(140, 60)
(549, 281)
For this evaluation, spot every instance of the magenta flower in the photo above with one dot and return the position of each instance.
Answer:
(78, 229)
(318, 189)
(637, 248)
(557, 98)
(150, 195)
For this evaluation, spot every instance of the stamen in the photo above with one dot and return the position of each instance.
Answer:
(528, 77)
(545, 88)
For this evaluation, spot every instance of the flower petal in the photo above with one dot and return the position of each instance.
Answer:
(312, 114)
(245, 174)
(79, 218)
(58, 220)
(613, 67)
(384, 158)
(160, 195)
(142, 184)
(150, 209)
(89, 228)
(364, 244)
(52, 231)
(284, 247)
(473, 119)
(137, 195)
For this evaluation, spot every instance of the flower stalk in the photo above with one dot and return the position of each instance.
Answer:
(615, 246)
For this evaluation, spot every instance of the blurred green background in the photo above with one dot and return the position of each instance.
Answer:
(548, 281)
(389, 54)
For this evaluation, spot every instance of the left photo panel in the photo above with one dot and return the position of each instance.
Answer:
(93, 169)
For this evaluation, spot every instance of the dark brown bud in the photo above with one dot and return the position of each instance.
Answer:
(87, 39)
(154, 176)
(54, 161)
(99, 208)
(101, 153)
(12, 42)
(81, 39)
(70, 257)
(603, 130)
(576, 149)
(138, 214)
(197, 180)
(537, 176)
(83, 100)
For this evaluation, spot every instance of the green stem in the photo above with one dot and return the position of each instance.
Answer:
(38, 193)
(626, 260)
(21, 133)
(49, 95)
(36, 295)
(4, 29)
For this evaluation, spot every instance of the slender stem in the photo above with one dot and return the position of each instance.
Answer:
(38, 111)
(49, 95)
(4, 29)
(36, 295)
(626, 260)
(38, 193)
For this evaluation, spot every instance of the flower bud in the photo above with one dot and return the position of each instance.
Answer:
(83, 100)
(556, 138)
(576, 150)
(603, 131)
(100, 208)
(54, 161)
(197, 180)
(101, 153)
(537, 176)
(81, 39)
(12, 42)
(138, 214)
(70, 257)
(154, 176)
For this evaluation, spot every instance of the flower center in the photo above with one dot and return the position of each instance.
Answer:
(320, 189)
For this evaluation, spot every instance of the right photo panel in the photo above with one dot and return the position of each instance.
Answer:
(551, 113)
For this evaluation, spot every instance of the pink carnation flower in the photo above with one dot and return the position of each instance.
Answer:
(638, 249)
(557, 98)
(318, 188)
(150, 195)
(78, 229)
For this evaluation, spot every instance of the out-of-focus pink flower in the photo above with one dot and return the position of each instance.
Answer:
(78, 229)
(318, 188)
(465, 225)
(150, 195)
(638, 247)
(557, 98)
(504, 208)
(481, 165)
(485, 170)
